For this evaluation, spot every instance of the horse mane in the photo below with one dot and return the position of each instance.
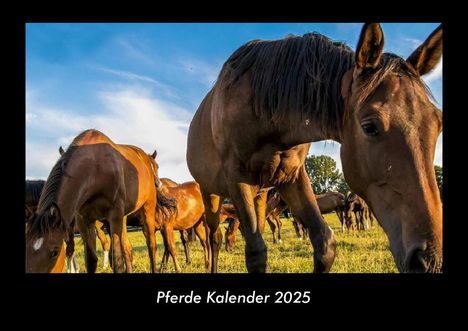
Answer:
(165, 205)
(43, 223)
(292, 78)
(299, 77)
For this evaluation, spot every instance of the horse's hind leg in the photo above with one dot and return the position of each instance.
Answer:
(300, 197)
(149, 230)
(279, 224)
(165, 257)
(184, 238)
(272, 225)
(169, 232)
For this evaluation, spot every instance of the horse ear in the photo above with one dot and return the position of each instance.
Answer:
(61, 151)
(426, 56)
(54, 211)
(154, 154)
(370, 46)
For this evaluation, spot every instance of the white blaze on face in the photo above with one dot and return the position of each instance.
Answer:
(38, 243)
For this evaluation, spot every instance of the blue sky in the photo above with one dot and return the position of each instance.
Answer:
(141, 83)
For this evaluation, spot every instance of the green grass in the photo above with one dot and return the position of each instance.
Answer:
(357, 252)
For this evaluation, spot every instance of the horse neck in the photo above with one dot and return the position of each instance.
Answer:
(70, 198)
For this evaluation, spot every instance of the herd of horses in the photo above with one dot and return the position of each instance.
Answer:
(283, 95)
(190, 221)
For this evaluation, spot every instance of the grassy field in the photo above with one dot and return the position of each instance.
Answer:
(358, 252)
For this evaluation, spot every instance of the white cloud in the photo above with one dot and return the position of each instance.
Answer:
(128, 116)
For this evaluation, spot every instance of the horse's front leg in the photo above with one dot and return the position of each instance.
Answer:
(116, 222)
(251, 206)
(88, 234)
(212, 203)
(301, 198)
(72, 265)
(105, 244)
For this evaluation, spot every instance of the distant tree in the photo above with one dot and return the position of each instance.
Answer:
(439, 177)
(322, 173)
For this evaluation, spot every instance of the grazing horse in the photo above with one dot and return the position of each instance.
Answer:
(362, 213)
(94, 179)
(301, 232)
(283, 95)
(72, 264)
(186, 236)
(228, 214)
(187, 212)
(332, 202)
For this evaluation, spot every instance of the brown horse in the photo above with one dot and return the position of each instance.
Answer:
(186, 236)
(94, 179)
(301, 232)
(72, 264)
(188, 213)
(332, 202)
(287, 93)
(362, 212)
(228, 215)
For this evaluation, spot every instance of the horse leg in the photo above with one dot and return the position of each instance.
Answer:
(72, 264)
(297, 229)
(165, 257)
(279, 224)
(273, 229)
(339, 213)
(105, 244)
(251, 206)
(184, 239)
(127, 247)
(169, 232)
(301, 199)
(116, 222)
(149, 230)
(199, 230)
(88, 234)
(212, 203)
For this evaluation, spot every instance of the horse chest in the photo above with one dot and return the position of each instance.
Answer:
(276, 167)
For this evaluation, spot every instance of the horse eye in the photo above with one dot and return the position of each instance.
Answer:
(369, 129)
(54, 253)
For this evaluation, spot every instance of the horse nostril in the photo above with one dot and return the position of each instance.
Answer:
(417, 261)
